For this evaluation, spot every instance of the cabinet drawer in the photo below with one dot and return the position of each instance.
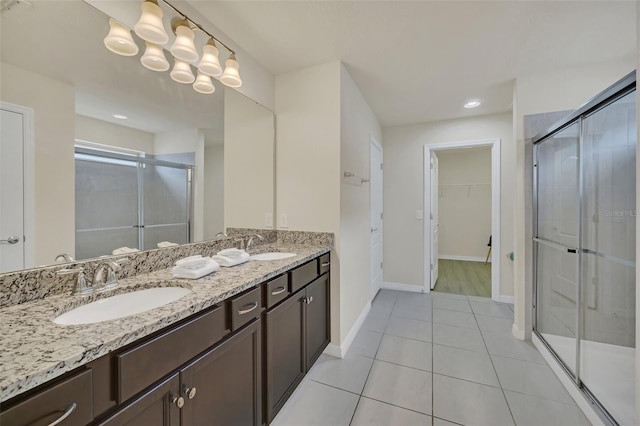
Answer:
(245, 307)
(71, 395)
(303, 275)
(142, 365)
(276, 290)
(325, 263)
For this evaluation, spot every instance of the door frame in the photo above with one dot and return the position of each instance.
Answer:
(495, 208)
(374, 143)
(28, 172)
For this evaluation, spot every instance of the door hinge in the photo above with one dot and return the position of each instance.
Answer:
(380, 265)
(432, 266)
(381, 215)
(380, 166)
(431, 167)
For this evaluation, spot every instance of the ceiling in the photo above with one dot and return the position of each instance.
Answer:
(105, 83)
(418, 61)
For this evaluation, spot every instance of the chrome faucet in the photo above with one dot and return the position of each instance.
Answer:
(63, 257)
(104, 278)
(222, 234)
(82, 287)
(250, 240)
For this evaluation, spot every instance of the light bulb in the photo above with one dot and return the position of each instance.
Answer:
(119, 39)
(154, 58)
(231, 75)
(150, 27)
(210, 65)
(203, 84)
(182, 73)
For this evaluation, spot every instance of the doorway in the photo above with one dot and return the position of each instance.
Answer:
(16, 187)
(462, 218)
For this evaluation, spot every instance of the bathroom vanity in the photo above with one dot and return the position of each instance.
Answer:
(226, 354)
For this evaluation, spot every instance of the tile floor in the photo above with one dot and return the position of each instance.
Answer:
(433, 359)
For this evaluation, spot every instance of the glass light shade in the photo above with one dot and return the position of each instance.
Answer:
(150, 27)
(183, 48)
(210, 65)
(231, 75)
(119, 39)
(182, 73)
(203, 84)
(154, 58)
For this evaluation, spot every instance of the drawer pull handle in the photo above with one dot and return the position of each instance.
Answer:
(325, 264)
(253, 305)
(278, 290)
(66, 414)
(308, 300)
(178, 401)
(190, 392)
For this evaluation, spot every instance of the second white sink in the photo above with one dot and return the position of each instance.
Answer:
(273, 255)
(121, 305)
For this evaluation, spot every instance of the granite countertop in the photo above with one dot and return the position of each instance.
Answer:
(35, 350)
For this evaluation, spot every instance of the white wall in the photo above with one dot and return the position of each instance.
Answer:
(249, 174)
(357, 124)
(464, 203)
(181, 141)
(97, 131)
(404, 192)
(213, 189)
(53, 103)
(308, 160)
(535, 94)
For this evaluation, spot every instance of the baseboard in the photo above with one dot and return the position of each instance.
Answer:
(402, 287)
(506, 299)
(583, 403)
(517, 333)
(466, 258)
(339, 351)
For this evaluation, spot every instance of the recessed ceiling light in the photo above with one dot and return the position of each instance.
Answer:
(472, 103)
(120, 116)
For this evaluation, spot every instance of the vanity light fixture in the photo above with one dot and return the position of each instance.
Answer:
(119, 39)
(473, 103)
(150, 28)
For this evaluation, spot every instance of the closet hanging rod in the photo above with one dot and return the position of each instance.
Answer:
(352, 175)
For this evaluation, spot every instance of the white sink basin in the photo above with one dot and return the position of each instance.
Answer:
(121, 305)
(274, 255)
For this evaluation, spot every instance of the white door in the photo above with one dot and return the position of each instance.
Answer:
(434, 219)
(11, 191)
(375, 185)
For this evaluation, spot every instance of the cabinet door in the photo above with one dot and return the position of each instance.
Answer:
(317, 325)
(283, 352)
(159, 406)
(225, 383)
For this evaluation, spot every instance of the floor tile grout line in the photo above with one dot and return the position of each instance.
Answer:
(397, 406)
(544, 398)
(504, 395)
(433, 391)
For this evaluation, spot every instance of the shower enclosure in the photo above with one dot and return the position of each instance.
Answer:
(584, 247)
(129, 201)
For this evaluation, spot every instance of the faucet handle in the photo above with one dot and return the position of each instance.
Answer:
(81, 287)
(241, 242)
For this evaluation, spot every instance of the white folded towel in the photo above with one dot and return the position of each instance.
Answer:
(164, 244)
(124, 250)
(232, 253)
(193, 262)
(195, 273)
(227, 261)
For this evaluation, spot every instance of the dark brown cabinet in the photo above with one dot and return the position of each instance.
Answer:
(317, 327)
(159, 406)
(224, 386)
(284, 360)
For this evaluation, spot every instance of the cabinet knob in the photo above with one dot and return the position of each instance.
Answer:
(178, 401)
(308, 300)
(190, 392)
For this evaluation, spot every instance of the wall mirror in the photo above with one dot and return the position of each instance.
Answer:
(181, 167)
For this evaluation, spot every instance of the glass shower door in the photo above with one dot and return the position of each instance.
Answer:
(165, 206)
(607, 340)
(556, 240)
